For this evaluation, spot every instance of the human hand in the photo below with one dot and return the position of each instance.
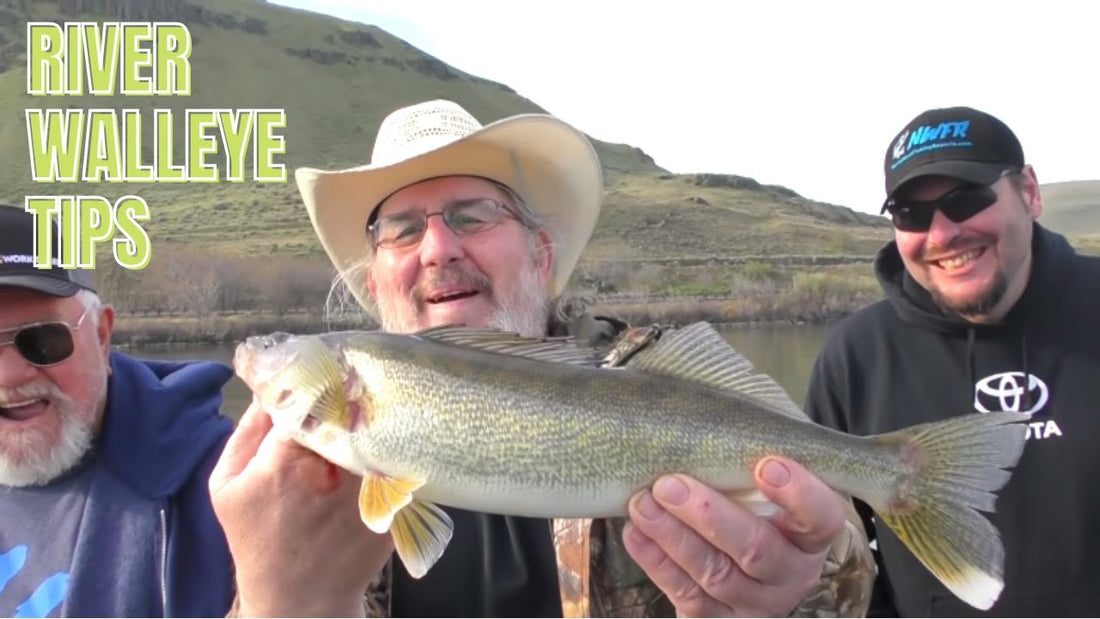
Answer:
(293, 526)
(712, 557)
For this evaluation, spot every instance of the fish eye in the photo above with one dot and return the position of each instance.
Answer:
(274, 339)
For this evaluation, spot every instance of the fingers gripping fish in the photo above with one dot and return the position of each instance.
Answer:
(494, 422)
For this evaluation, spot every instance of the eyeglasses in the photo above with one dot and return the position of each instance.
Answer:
(958, 205)
(463, 217)
(43, 343)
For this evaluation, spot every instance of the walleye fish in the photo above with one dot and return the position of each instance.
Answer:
(494, 422)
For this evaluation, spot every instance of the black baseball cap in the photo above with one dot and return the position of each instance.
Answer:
(17, 258)
(960, 142)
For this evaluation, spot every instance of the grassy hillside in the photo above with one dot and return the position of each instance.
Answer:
(666, 216)
(1072, 208)
(228, 256)
(337, 80)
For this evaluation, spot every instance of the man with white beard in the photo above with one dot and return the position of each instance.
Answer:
(104, 459)
(455, 223)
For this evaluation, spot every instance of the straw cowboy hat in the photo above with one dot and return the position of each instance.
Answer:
(549, 164)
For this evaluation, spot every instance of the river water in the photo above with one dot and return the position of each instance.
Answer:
(786, 352)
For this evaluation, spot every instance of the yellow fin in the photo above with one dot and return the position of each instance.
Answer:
(382, 497)
(321, 376)
(332, 406)
(421, 533)
(951, 469)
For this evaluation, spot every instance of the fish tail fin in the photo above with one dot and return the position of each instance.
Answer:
(950, 469)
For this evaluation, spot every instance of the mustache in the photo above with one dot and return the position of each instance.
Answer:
(957, 243)
(38, 390)
(464, 277)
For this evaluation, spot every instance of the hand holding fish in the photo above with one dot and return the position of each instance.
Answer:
(712, 557)
(494, 422)
(265, 492)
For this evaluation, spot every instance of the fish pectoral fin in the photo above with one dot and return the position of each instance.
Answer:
(332, 406)
(321, 378)
(382, 497)
(754, 501)
(421, 532)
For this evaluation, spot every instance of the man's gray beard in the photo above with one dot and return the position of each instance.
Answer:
(42, 467)
(525, 311)
(977, 307)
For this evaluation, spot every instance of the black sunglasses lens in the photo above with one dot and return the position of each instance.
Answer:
(964, 204)
(958, 205)
(44, 344)
(912, 218)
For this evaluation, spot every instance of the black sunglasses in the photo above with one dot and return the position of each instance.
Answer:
(958, 205)
(43, 343)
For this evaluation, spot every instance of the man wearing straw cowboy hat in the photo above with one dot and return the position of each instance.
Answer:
(517, 201)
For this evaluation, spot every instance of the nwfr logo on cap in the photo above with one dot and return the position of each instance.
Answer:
(899, 146)
(927, 137)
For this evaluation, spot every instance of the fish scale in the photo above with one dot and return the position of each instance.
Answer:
(550, 429)
(492, 422)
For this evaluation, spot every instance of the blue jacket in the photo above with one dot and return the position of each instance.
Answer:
(130, 531)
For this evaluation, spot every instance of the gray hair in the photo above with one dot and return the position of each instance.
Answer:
(527, 215)
(91, 302)
(532, 221)
(340, 303)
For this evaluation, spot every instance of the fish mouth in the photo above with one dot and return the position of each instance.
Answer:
(242, 362)
(24, 410)
(252, 359)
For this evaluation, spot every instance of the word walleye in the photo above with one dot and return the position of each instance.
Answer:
(102, 145)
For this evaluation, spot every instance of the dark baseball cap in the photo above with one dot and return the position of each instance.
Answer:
(17, 258)
(959, 142)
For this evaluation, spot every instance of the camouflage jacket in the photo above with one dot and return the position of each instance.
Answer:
(598, 578)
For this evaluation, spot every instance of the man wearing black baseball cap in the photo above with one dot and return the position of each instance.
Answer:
(17, 260)
(957, 142)
(986, 311)
(104, 459)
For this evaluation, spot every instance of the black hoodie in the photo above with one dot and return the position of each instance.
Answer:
(903, 361)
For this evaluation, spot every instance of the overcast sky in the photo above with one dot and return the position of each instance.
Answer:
(802, 94)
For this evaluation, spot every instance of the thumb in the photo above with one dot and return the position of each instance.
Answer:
(241, 446)
(812, 513)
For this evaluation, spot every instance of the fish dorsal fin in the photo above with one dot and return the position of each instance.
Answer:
(554, 349)
(698, 353)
